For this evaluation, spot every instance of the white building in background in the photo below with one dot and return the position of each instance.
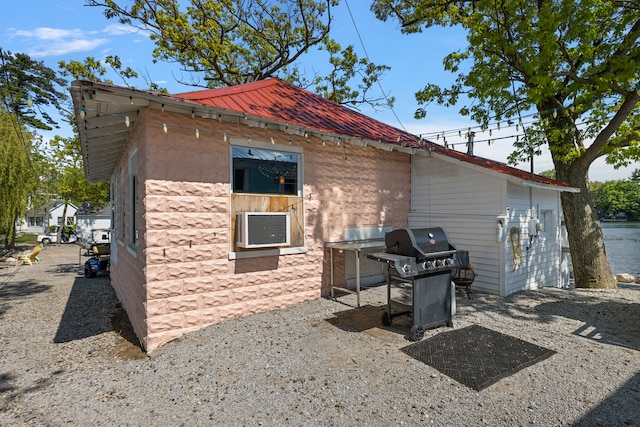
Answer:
(56, 215)
(87, 221)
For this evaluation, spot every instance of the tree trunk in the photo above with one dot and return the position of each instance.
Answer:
(591, 266)
(62, 226)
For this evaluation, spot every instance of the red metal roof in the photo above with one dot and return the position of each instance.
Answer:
(280, 101)
(277, 100)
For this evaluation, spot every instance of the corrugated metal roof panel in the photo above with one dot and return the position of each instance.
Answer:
(103, 131)
(277, 100)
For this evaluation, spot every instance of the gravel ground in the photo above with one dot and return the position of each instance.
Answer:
(67, 357)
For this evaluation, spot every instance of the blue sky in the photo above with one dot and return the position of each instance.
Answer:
(54, 30)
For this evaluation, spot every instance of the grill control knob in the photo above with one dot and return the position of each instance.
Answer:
(448, 262)
(438, 263)
(430, 265)
(406, 268)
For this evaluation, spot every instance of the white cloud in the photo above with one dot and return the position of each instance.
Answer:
(124, 30)
(47, 41)
(51, 34)
(67, 47)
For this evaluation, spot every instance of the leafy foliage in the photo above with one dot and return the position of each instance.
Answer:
(611, 197)
(17, 175)
(71, 184)
(574, 63)
(27, 87)
(230, 42)
(32, 174)
(95, 70)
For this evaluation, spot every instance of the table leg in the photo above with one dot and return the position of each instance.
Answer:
(358, 277)
(331, 252)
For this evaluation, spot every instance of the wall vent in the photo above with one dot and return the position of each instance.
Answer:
(262, 229)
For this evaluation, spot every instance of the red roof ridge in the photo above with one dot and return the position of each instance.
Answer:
(229, 90)
(278, 100)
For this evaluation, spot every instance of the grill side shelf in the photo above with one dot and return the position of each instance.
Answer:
(405, 266)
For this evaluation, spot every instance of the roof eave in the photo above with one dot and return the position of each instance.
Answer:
(498, 174)
(100, 110)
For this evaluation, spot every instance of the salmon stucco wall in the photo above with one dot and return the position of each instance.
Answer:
(190, 279)
(127, 259)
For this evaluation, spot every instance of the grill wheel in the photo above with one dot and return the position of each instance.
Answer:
(417, 333)
(386, 319)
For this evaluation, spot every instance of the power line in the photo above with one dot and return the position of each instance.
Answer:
(368, 59)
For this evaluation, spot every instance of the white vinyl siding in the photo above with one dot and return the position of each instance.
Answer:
(541, 255)
(467, 202)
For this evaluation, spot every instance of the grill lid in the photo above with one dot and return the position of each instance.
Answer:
(419, 243)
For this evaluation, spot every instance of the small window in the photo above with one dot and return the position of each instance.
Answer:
(546, 223)
(134, 209)
(263, 171)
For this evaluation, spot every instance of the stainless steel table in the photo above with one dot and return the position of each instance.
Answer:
(356, 246)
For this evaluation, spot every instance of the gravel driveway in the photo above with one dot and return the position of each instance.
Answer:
(67, 357)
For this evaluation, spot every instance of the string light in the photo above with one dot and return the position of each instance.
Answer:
(418, 142)
(29, 101)
(362, 142)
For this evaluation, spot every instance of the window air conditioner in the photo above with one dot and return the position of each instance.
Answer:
(262, 229)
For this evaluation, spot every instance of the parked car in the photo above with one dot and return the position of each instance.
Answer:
(67, 236)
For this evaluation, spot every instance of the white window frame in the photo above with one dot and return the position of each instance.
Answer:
(134, 199)
(270, 147)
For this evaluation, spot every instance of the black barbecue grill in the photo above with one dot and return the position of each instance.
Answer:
(423, 258)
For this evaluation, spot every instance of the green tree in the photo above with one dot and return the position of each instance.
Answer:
(96, 70)
(72, 186)
(27, 88)
(576, 64)
(612, 197)
(231, 42)
(17, 176)
(549, 174)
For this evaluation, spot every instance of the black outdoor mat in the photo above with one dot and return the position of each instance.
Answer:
(475, 356)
